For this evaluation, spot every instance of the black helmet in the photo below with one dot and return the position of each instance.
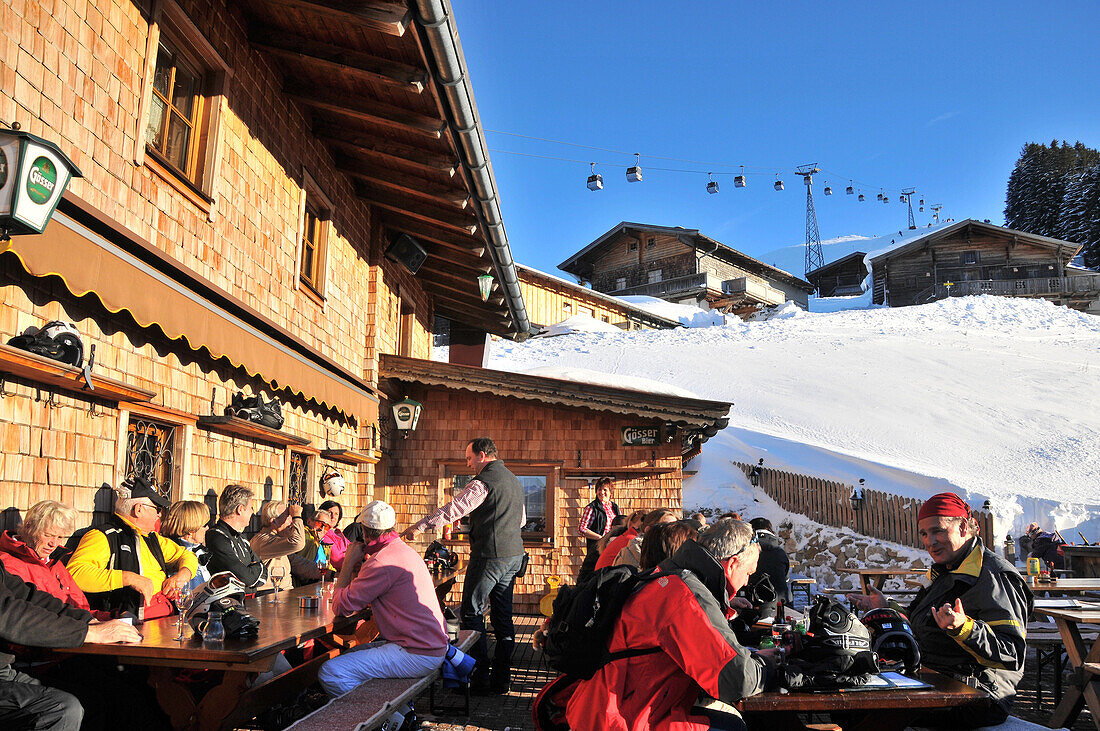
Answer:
(893, 640)
(835, 627)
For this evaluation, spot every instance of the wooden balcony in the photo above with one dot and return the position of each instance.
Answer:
(1078, 287)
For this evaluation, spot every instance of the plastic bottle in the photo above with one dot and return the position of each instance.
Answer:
(213, 631)
(766, 643)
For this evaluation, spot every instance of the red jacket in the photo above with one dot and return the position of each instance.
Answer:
(49, 576)
(684, 615)
(611, 552)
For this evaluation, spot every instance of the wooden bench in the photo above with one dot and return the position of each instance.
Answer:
(368, 706)
(1049, 650)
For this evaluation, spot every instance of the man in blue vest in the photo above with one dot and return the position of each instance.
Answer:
(494, 502)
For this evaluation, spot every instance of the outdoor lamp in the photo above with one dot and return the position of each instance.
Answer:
(856, 498)
(485, 285)
(33, 175)
(407, 413)
(755, 472)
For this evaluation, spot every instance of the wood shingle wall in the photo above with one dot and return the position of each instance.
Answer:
(527, 432)
(73, 73)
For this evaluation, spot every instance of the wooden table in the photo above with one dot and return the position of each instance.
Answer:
(1085, 662)
(282, 626)
(1064, 586)
(878, 577)
(880, 710)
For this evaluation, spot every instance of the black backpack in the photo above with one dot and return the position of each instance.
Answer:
(584, 616)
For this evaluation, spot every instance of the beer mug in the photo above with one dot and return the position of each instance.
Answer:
(1033, 567)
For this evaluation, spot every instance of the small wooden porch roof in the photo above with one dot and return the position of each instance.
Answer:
(700, 417)
(386, 87)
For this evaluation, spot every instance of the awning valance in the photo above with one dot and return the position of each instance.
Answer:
(87, 262)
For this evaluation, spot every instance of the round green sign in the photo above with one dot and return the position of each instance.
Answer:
(41, 181)
(3, 167)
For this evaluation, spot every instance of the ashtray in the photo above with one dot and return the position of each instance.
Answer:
(309, 602)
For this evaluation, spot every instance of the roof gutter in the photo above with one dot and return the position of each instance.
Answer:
(436, 22)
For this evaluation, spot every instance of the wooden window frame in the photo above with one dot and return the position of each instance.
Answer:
(650, 242)
(620, 282)
(315, 211)
(199, 183)
(448, 469)
(651, 272)
(632, 246)
(184, 426)
(311, 459)
(964, 258)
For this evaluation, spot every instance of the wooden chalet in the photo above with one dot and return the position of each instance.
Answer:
(248, 171)
(681, 265)
(557, 436)
(841, 278)
(974, 257)
(551, 299)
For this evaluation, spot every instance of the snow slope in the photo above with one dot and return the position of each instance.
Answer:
(995, 398)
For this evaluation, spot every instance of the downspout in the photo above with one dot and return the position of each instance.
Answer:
(435, 20)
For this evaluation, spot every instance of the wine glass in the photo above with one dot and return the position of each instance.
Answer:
(322, 564)
(278, 573)
(183, 603)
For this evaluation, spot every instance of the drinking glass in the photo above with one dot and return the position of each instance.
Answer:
(278, 573)
(183, 603)
(322, 564)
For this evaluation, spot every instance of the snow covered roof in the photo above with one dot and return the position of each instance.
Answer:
(634, 396)
(642, 313)
(689, 237)
(935, 234)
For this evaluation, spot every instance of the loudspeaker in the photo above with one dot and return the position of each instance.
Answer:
(407, 251)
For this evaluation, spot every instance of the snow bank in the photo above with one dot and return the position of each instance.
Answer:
(599, 378)
(995, 398)
(686, 315)
(578, 324)
(837, 304)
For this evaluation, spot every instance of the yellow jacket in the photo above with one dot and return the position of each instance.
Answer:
(89, 561)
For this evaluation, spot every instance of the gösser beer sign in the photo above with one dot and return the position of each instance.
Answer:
(33, 175)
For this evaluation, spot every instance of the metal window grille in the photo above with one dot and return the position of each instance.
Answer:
(297, 489)
(150, 449)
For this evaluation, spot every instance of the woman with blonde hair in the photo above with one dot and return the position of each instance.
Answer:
(28, 554)
(186, 524)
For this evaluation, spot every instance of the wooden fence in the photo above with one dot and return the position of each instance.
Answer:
(885, 516)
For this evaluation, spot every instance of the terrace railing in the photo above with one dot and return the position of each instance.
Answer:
(1078, 284)
(672, 286)
(882, 515)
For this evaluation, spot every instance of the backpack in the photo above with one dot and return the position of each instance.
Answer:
(584, 615)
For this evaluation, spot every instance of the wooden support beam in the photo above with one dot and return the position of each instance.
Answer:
(461, 289)
(328, 58)
(375, 177)
(475, 306)
(437, 234)
(433, 215)
(364, 110)
(460, 282)
(444, 262)
(391, 18)
(385, 151)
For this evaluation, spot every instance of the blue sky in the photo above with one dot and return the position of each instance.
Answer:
(937, 96)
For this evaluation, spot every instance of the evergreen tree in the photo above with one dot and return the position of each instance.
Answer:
(1052, 191)
(1080, 213)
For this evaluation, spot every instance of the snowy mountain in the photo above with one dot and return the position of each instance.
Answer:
(994, 398)
(793, 258)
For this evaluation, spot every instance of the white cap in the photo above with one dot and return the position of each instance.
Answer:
(378, 515)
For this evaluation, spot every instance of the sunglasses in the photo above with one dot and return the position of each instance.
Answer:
(755, 539)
